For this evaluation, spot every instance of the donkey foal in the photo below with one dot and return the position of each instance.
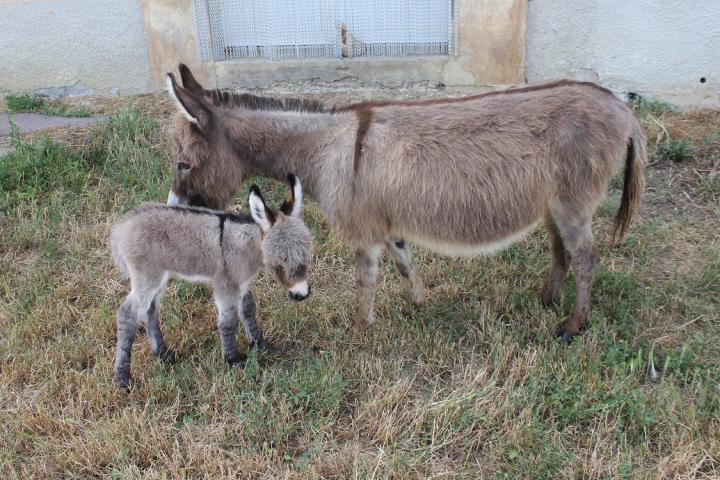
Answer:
(222, 249)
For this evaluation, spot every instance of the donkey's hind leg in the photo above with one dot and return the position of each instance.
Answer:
(560, 263)
(228, 321)
(157, 342)
(577, 238)
(405, 265)
(366, 262)
(127, 323)
(134, 309)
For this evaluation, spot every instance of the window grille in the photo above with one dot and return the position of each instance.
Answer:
(281, 29)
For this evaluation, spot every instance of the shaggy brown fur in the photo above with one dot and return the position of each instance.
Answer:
(460, 176)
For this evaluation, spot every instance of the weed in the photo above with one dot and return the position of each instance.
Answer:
(673, 150)
(23, 103)
(645, 108)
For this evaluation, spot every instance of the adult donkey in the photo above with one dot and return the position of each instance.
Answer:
(460, 176)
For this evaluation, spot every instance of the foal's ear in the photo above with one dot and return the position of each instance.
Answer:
(189, 104)
(293, 204)
(262, 215)
(188, 80)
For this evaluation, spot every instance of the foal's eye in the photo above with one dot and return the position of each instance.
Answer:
(182, 166)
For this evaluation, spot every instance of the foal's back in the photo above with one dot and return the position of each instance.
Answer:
(193, 242)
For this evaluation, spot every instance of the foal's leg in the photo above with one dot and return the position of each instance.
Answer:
(228, 322)
(578, 239)
(401, 255)
(252, 332)
(133, 310)
(127, 323)
(366, 261)
(560, 263)
(157, 342)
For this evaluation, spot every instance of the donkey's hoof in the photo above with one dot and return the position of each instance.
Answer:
(122, 380)
(360, 327)
(237, 360)
(548, 297)
(417, 297)
(565, 336)
(265, 346)
(168, 356)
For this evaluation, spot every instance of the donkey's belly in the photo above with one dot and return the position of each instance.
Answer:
(469, 249)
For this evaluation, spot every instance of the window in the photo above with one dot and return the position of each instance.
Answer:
(280, 29)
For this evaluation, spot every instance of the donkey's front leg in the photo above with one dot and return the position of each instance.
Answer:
(157, 342)
(252, 332)
(366, 262)
(228, 323)
(406, 267)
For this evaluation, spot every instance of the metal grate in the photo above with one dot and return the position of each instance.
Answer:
(280, 29)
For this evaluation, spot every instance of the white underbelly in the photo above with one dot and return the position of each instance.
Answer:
(467, 250)
(194, 278)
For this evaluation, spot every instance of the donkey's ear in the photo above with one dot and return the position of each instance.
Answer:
(262, 215)
(189, 104)
(188, 80)
(296, 189)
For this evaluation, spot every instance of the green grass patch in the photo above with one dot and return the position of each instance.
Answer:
(35, 103)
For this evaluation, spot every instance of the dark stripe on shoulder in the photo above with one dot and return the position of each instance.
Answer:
(364, 117)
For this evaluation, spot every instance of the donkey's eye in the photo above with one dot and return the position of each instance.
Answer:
(182, 166)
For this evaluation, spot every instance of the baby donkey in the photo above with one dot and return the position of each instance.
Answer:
(223, 249)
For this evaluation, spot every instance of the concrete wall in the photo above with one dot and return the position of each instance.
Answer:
(490, 51)
(93, 45)
(658, 48)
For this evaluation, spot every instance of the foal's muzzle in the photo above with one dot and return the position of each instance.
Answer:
(299, 291)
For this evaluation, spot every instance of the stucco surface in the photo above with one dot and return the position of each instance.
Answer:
(99, 44)
(655, 48)
(490, 51)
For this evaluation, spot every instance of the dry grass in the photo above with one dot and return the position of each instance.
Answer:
(472, 385)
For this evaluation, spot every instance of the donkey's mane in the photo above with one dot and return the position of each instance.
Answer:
(226, 98)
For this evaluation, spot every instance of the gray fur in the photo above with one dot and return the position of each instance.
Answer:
(224, 250)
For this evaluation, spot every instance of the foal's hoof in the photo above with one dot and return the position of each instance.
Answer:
(237, 360)
(265, 346)
(168, 356)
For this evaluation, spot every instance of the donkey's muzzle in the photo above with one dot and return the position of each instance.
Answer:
(175, 200)
(299, 291)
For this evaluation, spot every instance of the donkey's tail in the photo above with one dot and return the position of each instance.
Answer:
(634, 182)
(117, 256)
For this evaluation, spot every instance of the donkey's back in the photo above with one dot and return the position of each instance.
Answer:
(485, 169)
